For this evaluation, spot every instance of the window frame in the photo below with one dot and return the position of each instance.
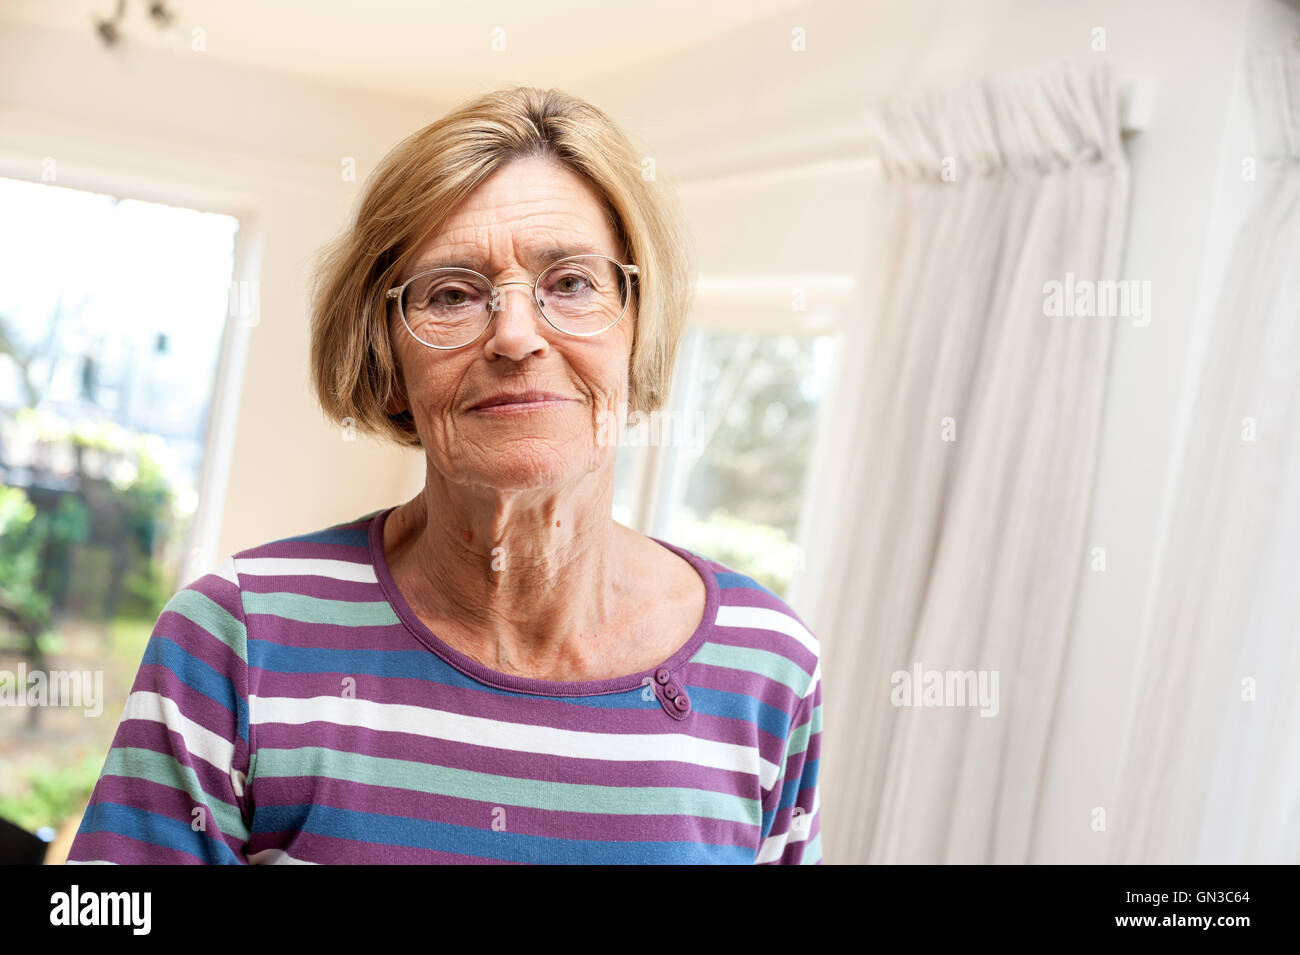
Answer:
(758, 303)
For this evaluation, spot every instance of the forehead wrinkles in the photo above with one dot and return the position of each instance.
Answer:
(523, 190)
(504, 244)
(535, 216)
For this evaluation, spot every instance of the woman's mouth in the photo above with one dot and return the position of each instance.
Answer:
(524, 402)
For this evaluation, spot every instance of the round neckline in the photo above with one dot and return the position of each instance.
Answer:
(520, 684)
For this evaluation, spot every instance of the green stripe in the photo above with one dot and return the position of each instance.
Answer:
(203, 611)
(487, 787)
(763, 662)
(799, 736)
(798, 739)
(304, 609)
(812, 851)
(147, 764)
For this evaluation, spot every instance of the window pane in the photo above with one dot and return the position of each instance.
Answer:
(734, 492)
(112, 313)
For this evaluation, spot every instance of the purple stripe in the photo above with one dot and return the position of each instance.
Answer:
(115, 847)
(311, 636)
(163, 801)
(150, 735)
(350, 552)
(501, 762)
(313, 585)
(477, 814)
(200, 644)
(310, 846)
(221, 592)
(557, 714)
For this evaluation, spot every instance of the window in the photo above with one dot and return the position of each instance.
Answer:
(727, 474)
(112, 314)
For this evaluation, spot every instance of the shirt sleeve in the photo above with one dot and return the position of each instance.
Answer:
(792, 812)
(173, 787)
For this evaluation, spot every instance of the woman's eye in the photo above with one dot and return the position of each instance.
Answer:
(570, 283)
(450, 297)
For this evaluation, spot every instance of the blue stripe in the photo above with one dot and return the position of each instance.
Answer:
(277, 658)
(199, 677)
(353, 536)
(728, 580)
(790, 793)
(740, 706)
(807, 780)
(157, 830)
(430, 668)
(411, 665)
(404, 831)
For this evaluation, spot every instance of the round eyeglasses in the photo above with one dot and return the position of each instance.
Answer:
(580, 295)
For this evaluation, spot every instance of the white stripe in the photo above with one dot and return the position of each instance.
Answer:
(276, 857)
(227, 571)
(89, 862)
(816, 676)
(765, 618)
(515, 737)
(773, 846)
(306, 567)
(199, 740)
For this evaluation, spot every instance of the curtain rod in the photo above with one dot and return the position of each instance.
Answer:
(838, 153)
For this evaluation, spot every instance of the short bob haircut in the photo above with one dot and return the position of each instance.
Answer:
(416, 187)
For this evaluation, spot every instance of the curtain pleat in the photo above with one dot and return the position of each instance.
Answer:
(1211, 770)
(966, 554)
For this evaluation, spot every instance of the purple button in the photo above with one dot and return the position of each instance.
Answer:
(682, 703)
(662, 676)
(670, 690)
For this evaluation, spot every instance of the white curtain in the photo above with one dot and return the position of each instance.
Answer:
(965, 554)
(1212, 772)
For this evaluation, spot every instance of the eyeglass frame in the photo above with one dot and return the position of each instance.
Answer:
(629, 271)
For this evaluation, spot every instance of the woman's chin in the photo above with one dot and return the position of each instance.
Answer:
(526, 470)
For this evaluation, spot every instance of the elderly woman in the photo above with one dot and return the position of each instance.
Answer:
(495, 670)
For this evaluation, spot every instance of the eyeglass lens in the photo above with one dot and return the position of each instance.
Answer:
(581, 295)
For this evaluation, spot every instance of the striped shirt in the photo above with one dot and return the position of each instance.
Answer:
(291, 707)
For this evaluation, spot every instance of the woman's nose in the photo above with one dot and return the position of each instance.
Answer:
(514, 331)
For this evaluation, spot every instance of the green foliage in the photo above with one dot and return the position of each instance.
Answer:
(148, 503)
(20, 561)
(755, 461)
(147, 590)
(147, 499)
(134, 505)
(71, 521)
(50, 642)
(761, 551)
(128, 637)
(52, 795)
(761, 396)
(25, 538)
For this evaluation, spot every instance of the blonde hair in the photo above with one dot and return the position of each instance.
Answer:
(417, 186)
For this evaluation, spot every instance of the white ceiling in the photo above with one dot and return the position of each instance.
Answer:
(428, 50)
